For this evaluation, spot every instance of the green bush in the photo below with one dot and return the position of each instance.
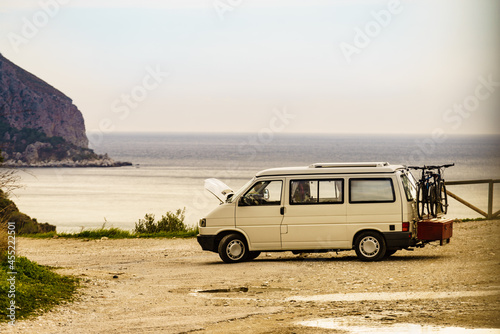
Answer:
(170, 222)
(7, 207)
(146, 225)
(173, 222)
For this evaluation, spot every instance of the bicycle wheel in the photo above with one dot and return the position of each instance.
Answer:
(433, 200)
(442, 198)
(422, 203)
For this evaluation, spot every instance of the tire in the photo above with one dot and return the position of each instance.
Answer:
(433, 200)
(252, 255)
(370, 246)
(233, 248)
(442, 198)
(422, 203)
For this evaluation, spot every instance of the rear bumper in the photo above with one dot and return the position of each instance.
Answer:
(208, 242)
(398, 240)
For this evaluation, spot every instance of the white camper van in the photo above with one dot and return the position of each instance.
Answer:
(368, 207)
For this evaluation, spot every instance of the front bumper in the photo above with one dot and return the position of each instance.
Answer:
(208, 242)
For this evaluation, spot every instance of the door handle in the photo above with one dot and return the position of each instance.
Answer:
(282, 210)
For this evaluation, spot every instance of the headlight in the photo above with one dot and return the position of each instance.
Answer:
(203, 222)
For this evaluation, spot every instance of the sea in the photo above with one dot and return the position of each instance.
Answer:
(169, 170)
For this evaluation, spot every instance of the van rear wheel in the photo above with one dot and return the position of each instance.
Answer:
(370, 246)
(233, 248)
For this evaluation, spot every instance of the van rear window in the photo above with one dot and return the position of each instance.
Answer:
(376, 190)
(317, 191)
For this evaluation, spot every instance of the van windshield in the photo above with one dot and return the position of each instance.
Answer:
(239, 192)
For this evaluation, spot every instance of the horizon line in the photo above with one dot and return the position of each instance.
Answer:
(475, 134)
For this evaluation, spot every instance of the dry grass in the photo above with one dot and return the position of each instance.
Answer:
(9, 180)
(3, 240)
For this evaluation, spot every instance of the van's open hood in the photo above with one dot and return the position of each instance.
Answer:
(218, 188)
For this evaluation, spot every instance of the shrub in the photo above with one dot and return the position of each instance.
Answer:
(7, 207)
(24, 223)
(170, 222)
(146, 225)
(173, 222)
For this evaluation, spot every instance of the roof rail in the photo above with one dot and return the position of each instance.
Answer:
(348, 164)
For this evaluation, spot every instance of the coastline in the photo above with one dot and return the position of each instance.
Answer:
(67, 164)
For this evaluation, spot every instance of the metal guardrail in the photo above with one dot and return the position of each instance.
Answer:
(490, 214)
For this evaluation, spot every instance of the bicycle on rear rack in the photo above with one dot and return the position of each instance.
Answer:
(432, 199)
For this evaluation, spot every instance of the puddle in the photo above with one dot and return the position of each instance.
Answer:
(340, 297)
(241, 289)
(250, 293)
(363, 326)
(250, 290)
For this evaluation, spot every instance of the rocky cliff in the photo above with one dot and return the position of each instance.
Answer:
(39, 125)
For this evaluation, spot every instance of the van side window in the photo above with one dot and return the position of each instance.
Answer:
(263, 193)
(410, 191)
(376, 190)
(316, 191)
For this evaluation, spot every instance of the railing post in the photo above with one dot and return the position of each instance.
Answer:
(490, 200)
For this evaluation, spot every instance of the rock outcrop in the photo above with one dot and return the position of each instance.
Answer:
(39, 125)
(29, 102)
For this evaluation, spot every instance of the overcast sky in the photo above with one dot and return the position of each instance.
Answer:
(288, 66)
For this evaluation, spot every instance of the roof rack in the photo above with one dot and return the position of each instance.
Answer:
(348, 164)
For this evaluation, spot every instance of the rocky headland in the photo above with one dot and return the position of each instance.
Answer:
(40, 126)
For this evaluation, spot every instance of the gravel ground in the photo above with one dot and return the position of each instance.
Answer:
(172, 286)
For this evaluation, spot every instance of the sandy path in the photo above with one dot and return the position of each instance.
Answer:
(158, 280)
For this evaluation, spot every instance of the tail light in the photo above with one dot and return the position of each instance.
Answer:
(203, 222)
(406, 227)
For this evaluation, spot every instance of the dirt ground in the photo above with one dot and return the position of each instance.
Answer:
(172, 286)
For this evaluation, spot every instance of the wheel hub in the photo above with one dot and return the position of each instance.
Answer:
(369, 246)
(235, 249)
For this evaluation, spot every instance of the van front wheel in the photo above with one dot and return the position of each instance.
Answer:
(233, 248)
(370, 246)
